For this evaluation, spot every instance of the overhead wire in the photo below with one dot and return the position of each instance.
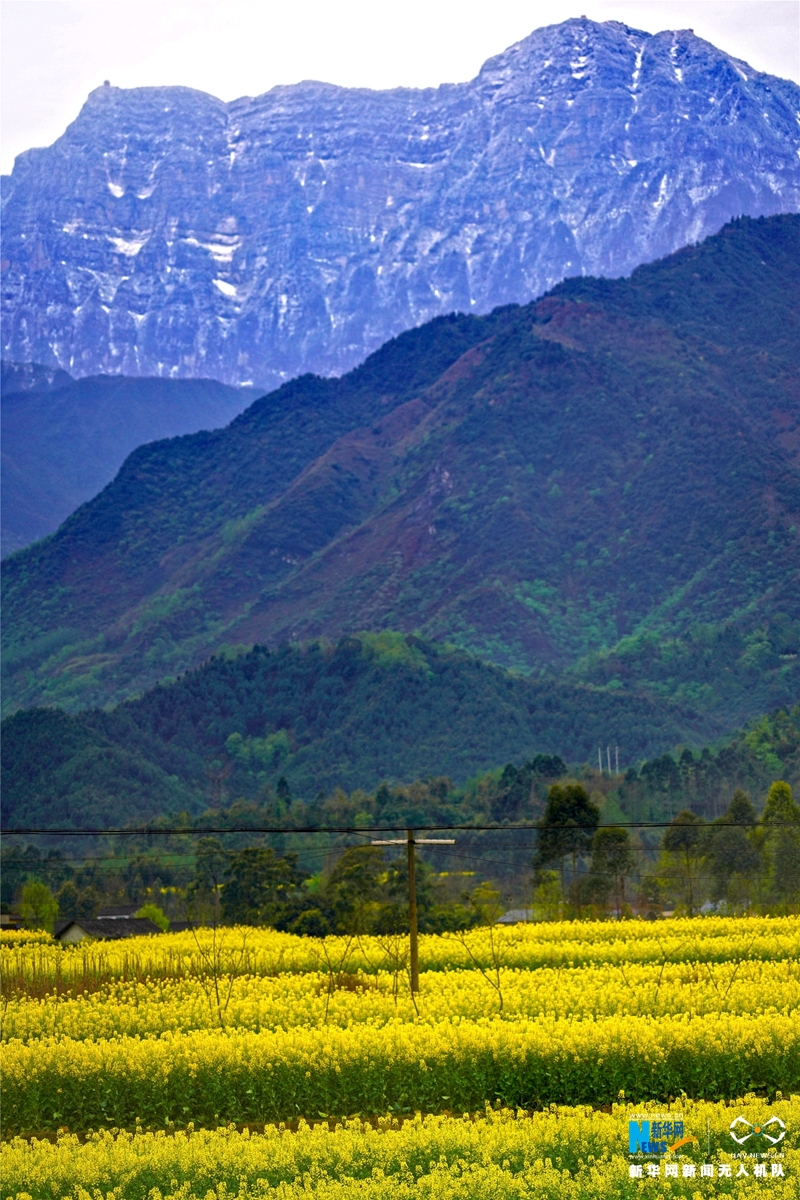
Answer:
(144, 831)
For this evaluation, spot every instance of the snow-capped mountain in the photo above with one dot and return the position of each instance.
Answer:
(169, 233)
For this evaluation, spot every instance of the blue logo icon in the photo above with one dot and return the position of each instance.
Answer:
(653, 1137)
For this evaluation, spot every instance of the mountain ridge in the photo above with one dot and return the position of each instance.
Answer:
(169, 233)
(616, 461)
(278, 738)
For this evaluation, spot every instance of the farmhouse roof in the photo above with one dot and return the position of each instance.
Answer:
(107, 930)
(515, 915)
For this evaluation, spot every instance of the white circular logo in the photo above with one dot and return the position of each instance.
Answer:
(741, 1130)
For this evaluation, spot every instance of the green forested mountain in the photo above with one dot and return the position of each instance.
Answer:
(604, 482)
(320, 717)
(246, 734)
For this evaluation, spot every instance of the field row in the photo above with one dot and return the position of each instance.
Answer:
(562, 1154)
(153, 1007)
(211, 1076)
(38, 969)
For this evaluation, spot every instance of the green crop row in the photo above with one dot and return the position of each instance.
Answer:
(208, 1076)
(561, 1154)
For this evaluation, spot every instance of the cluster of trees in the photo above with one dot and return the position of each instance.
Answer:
(768, 749)
(361, 893)
(656, 789)
(736, 862)
(96, 881)
(740, 861)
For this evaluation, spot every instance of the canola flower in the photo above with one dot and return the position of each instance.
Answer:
(249, 1025)
(242, 1076)
(152, 1007)
(561, 1154)
(42, 967)
(12, 938)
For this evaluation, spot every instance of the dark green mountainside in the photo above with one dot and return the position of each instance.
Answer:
(380, 706)
(65, 439)
(604, 482)
(414, 731)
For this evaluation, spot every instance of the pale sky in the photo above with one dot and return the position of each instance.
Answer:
(54, 52)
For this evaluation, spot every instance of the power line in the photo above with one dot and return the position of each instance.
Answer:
(168, 858)
(114, 863)
(362, 830)
(73, 863)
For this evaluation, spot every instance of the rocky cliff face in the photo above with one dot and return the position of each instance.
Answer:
(168, 233)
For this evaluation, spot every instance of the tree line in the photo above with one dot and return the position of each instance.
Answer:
(738, 862)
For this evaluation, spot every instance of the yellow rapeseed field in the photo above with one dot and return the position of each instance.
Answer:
(14, 938)
(242, 1027)
(249, 951)
(209, 1075)
(561, 1154)
(155, 1006)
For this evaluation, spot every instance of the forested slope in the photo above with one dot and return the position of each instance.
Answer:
(605, 481)
(373, 708)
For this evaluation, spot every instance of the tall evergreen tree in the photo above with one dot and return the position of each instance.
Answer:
(613, 861)
(258, 886)
(781, 821)
(684, 852)
(733, 855)
(566, 829)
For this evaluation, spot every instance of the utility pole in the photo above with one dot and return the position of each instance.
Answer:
(413, 943)
(608, 754)
(409, 841)
(616, 749)
(600, 760)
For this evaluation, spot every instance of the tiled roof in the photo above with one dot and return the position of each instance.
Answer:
(119, 927)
